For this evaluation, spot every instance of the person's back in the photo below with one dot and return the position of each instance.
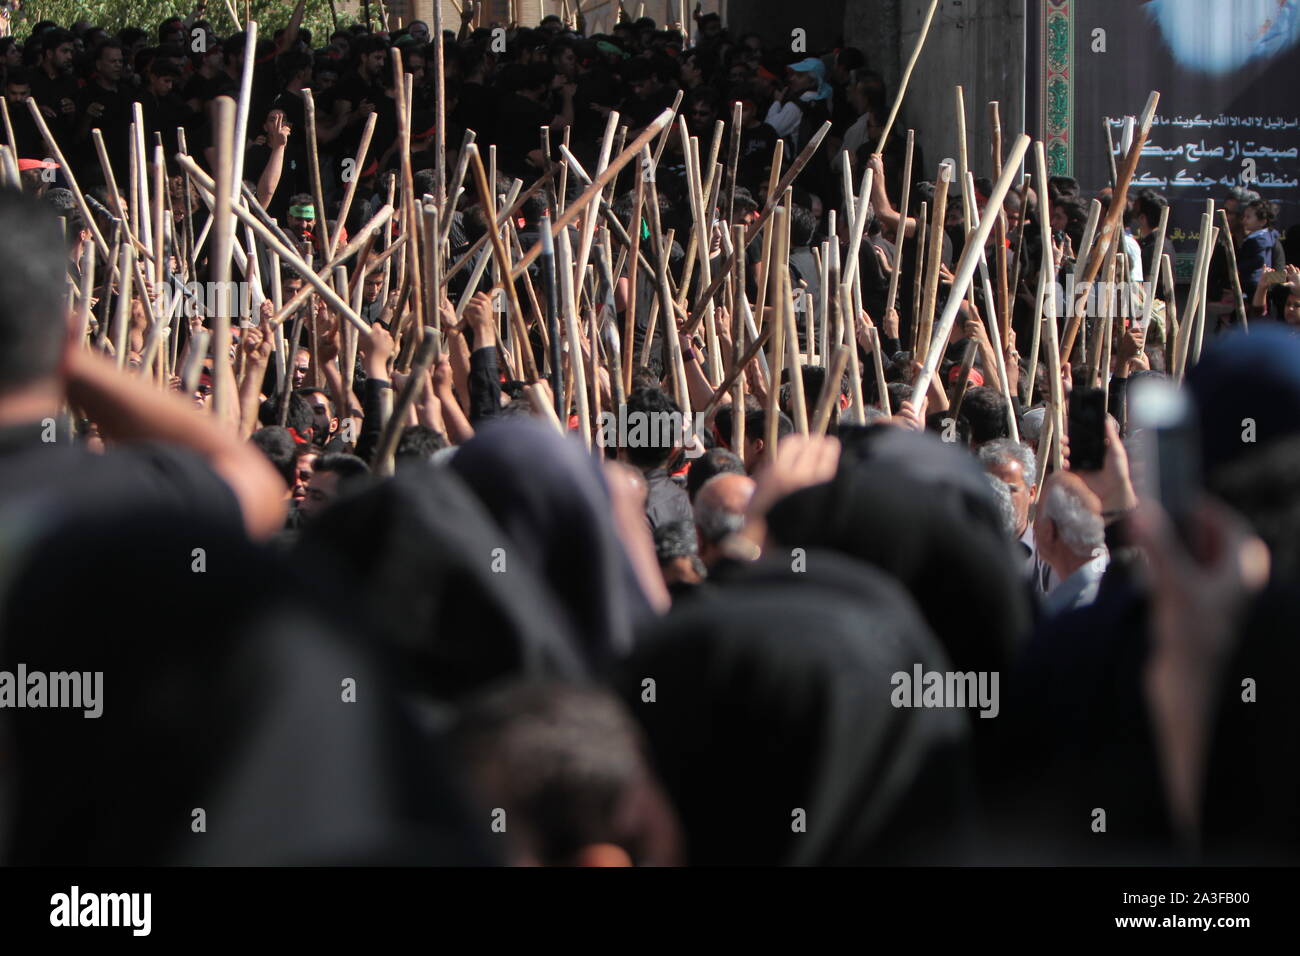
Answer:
(47, 477)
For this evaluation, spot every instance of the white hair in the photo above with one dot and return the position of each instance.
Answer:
(1031, 423)
(1006, 507)
(1079, 526)
(1003, 451)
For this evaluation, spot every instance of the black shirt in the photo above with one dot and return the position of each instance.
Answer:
(62, 480)
(114, 123)
(666, 499)
(51, 93)
(519, 132)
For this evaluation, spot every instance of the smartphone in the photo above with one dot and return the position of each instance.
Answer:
(1163, 421)
(1087, 429)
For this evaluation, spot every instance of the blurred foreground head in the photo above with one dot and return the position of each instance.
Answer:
(562, 769)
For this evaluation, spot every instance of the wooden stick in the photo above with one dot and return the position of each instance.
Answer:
(963, 378)
(1014, 288)
(991, 319)
(798, 402)
(918, 275)
(1054, 356)
(313, 170)
(800, 161)
(396, 422)
(1171, 312)
(1153, 280)
(878, 365)
(848, 327)
(457, 179)
(288, 255)
(765, 259)
(332, 238)
(242, 109)
(1110, 151)
(1000, 228)
(160, 244)
(440, 108)
(633, 285)
(830, 393)
(1200, 313)
(569, 309)
(907, 76)
(738, 347)
(503, 260)
(505, 214)
(1118, 203)
(776, 357)
(934, 258)
(1203, 249)
(963, 160)
(364, 234)
(593, 191)
(892, 295)
(733, 150)
(966, 270)
(1225, 236)
(122, 314)
(57, 153)
(9, 127)
(1031, 369)
(223, 234)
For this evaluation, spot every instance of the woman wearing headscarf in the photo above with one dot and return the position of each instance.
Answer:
(441, 585)
(769, 710)
(551, 501)
(235, 723)
(922, 512)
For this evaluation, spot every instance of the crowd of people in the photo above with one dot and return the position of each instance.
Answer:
(460, 635)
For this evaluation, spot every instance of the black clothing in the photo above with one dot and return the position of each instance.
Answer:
(550, 499)
(773, 697)
(223, 690)
(62, 480)
(666, 499)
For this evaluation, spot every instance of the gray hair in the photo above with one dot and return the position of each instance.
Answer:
(1079, 526)
(1003, 451)
(1031, 423)
(714, 521)
(1006, 508)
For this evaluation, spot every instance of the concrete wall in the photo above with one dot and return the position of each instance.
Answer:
(976, 43)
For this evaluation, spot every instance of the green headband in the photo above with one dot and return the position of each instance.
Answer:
(303, 212)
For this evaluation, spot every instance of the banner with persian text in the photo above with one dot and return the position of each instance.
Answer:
(1228, 73)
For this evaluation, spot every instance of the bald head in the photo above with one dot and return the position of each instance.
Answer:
(720, 510)
(729, 493)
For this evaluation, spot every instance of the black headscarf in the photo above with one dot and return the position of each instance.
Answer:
(920, 510)
(224, 691)
(773, 695)
(550, 499)
(420, 555)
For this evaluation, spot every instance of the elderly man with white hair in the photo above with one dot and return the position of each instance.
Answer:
(1070, 535)
(1014, 465)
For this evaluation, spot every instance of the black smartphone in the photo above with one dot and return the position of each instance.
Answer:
(1087, 429)
(1163, 421)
